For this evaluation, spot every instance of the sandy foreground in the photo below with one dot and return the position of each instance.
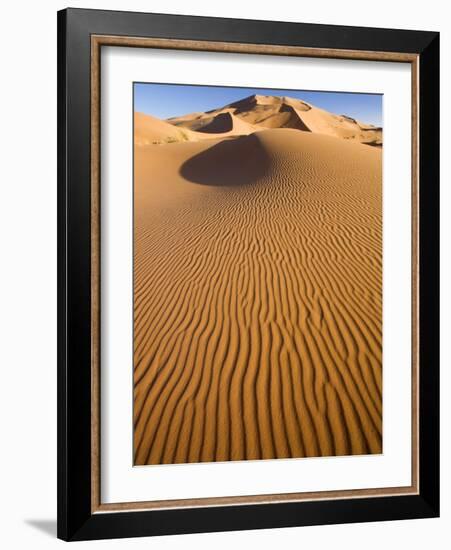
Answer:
(257, 291)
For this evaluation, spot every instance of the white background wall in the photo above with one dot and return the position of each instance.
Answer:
(28, 272)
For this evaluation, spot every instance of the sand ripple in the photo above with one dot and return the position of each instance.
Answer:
(258, 299)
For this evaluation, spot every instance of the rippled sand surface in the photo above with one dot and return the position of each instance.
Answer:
(257, 298)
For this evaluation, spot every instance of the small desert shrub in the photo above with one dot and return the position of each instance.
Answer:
(184, 135)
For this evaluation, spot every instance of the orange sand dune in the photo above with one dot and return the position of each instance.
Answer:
(149, 130)
(225, 122)
(257, 294)
(259, 112)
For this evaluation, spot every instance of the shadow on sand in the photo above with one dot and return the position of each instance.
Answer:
(232, 162)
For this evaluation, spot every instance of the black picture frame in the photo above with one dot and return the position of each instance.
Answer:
(76, 521)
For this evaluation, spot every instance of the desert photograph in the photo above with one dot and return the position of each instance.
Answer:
(257, 275)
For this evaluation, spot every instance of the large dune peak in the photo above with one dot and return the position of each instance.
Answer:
(254, 113)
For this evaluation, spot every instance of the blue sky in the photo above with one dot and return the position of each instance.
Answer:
(168, 100)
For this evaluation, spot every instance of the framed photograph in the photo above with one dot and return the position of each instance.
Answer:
(248, 274)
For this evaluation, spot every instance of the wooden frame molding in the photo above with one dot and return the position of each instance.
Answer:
(97, 41)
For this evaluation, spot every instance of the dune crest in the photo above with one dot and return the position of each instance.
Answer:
(258, 112)
(226, 122)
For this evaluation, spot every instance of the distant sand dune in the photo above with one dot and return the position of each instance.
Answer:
(259, 112)
(226, 122)
(258, 298)
(149, 130)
